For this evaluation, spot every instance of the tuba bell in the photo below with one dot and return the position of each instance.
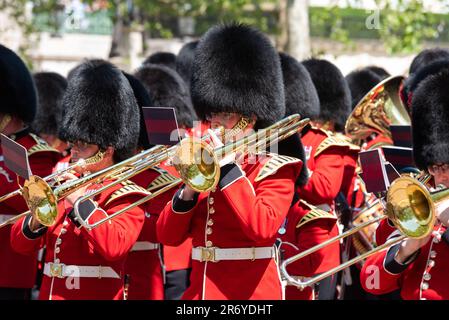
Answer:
(378, 109)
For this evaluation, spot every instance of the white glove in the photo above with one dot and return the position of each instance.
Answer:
(216, 143)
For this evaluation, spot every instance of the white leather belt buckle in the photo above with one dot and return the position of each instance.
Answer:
(144, 246)
(60, 270)
(215, 254)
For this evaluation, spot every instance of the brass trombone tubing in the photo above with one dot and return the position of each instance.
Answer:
(18, 192)
(131, 206)
(315, 279)
(288, 126)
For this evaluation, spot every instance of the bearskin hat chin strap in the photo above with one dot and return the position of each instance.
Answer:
(5, 121)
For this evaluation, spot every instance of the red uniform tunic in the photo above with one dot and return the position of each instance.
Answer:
(325, 161)
(306, 227)
(423, 278)
(144, 263)
(244, 211)
(103, 249)
(179, 257)
(17, 270)
(378, 141)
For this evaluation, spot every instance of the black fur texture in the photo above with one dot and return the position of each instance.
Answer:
(17, 90)
(360, 82)
(300, 93)
(430, 120)
(143, 100)
(100, 108)
(50, 90)
(236, 69)
(184, 61)
(333, 91)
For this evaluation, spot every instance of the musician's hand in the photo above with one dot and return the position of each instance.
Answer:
(409, 246)
(72, 197)
(443, 212)
(187, 193)
(216, 142)
(34, 224)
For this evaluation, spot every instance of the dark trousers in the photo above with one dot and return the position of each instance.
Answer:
(176, 282)
(15, 294)
(327, 288)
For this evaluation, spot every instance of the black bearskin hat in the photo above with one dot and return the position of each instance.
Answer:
(237, 69)
(100, 108)
(412, 82)
(184, 61)
(17, 91)
(167, 89)
(360, 82)
(143, 100)
(50, 90)
(300, 93)
(426, 57)
(167, 59)
(430, 120)
(381, 72)
(333, 91)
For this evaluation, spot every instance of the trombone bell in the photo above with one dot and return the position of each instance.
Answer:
(40, 200)
(197, 164)
(411, 207)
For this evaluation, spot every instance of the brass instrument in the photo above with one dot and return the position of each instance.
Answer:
(194, 159)
(198, 163)
(378, 109)
(411, 208)
(40, 202)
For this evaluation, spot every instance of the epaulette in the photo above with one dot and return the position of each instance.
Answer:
(164, 179)
(127, 188)
(40, 146)
(313, 214)
(351, 145)
(275, 162)
(332, 141)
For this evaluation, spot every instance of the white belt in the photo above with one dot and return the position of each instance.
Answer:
(215, 254)
(6, 217)
(144, 246)
(60, 270)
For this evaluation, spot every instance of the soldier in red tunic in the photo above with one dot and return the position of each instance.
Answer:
(167, 89)
(50, 90)
(418, 267)
(236, 79)
(17, 111)
(102, 124)
(306, 225)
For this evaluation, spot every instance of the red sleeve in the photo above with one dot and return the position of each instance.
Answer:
(383, 231)
(114, 239)
(173, 227)
(308, 236)
(325, 182)
(375, 279)
(21, 243)
(262, 208)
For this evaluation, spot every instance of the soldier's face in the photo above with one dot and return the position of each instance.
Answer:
(440, 174)
(223, 119)
(82, 150)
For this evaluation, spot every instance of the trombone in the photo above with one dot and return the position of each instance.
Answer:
(195, 160)
(44, 217)
(198, 163)
(411, 208)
